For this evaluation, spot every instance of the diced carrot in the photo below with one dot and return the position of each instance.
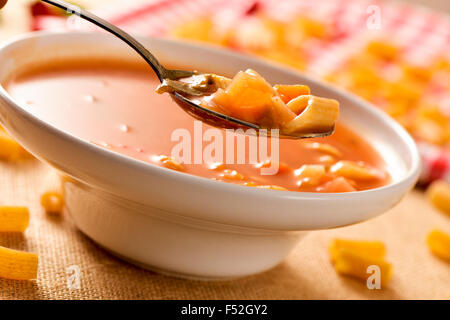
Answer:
(310, 174)
(327, 177)
(248, 96)
(221, 99)
(282, 167)
(248, 80)
(339, 184)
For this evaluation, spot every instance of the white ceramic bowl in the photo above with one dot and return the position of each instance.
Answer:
(187, 225)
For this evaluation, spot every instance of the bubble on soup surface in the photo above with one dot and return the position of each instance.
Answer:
(89, 98)
(124, 128)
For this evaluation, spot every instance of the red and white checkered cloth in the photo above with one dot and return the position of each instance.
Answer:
(422, 33)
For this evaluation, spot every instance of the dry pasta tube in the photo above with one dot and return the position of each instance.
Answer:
(356, 265)
(18, 265)
(14, 219)
(289, 92)
(353, 170)
(325, 148)
(53, 202)
(373, 249)
(9, 148)
(439, 244)
(439, 195)
(319, 116)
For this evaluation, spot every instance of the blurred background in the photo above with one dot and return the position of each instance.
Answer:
(20, 18)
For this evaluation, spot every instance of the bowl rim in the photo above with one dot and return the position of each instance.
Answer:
(407, 180)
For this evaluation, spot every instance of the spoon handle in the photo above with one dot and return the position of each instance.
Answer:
(160, 71)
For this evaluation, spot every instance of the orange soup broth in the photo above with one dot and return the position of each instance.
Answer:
(114, 105)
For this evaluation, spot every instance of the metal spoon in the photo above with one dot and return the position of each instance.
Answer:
(208, 116)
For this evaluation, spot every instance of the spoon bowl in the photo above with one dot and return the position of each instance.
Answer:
(206, 115)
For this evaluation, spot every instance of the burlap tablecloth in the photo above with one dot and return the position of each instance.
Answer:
(306, 273)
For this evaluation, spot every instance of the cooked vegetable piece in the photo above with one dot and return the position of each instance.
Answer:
(310, 174)
(246, 98)
(282, 167)
(339, 184)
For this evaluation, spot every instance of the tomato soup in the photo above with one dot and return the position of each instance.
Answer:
(114, 105)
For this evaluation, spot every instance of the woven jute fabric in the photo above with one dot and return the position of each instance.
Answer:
(306, 274)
